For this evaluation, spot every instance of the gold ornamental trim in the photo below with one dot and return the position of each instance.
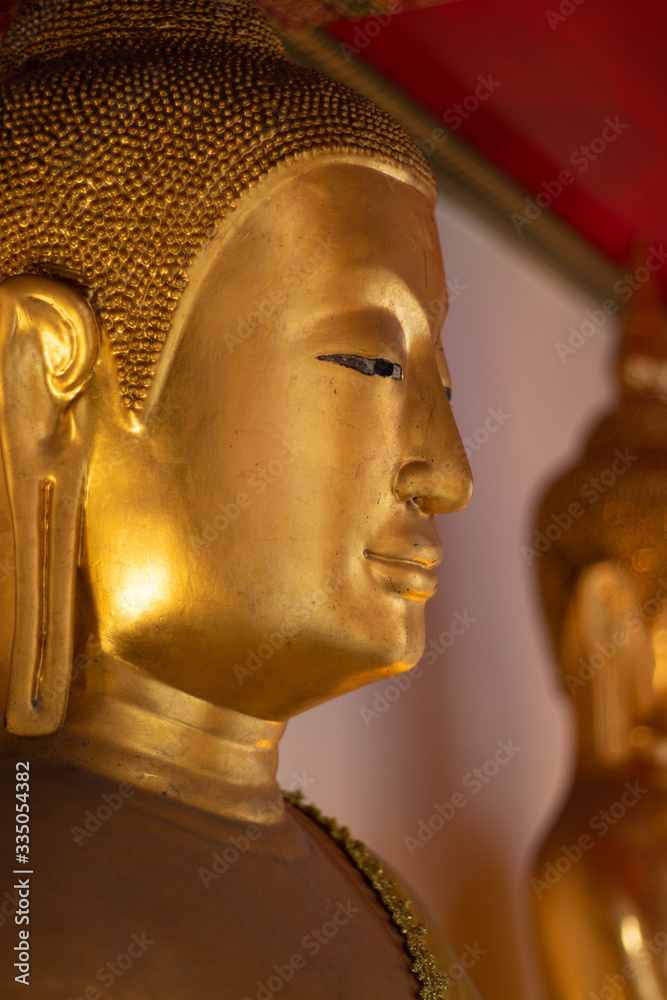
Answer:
(432, 984)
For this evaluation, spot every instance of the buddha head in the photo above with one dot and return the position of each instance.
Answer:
(225, 413)
(601, 544)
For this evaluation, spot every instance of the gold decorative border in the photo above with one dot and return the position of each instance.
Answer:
(433, 985)
(460, 170)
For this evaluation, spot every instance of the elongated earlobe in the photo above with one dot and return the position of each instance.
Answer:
(49, 345)
(615, 656)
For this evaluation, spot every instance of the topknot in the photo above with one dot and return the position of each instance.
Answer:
(50, 29)
(128, 131)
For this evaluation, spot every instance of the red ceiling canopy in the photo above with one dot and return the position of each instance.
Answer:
(295, 13)
(568, 97)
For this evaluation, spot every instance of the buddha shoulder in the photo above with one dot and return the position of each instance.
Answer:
(133, 891)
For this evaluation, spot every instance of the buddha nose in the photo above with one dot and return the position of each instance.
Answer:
(435, 475)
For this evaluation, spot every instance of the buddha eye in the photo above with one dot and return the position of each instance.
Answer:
(367, 366)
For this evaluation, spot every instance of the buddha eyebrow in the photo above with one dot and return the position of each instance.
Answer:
(367, 366)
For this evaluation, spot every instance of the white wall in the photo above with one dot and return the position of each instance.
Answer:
(382, 775)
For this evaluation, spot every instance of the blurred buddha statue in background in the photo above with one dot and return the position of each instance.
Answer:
(226, 434)
(599, 886)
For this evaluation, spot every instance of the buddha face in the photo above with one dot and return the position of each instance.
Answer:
(268, 539)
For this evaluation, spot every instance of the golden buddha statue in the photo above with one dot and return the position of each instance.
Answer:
(226, 434)
(599, 885)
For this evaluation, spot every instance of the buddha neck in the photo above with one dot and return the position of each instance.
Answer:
(132, 728)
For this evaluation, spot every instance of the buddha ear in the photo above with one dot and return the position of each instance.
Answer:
(616, 652)
(49, 345)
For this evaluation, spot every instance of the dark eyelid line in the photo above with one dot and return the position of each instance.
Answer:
(367, 366)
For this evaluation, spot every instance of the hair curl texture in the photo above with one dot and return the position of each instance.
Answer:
(128, 130)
